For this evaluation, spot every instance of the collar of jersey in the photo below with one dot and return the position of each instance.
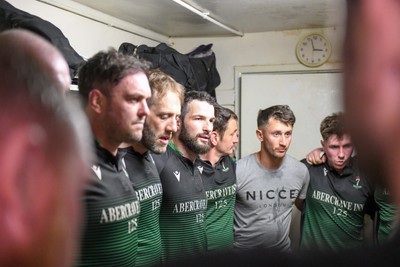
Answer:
(172, 145)
(347, 170)
(106, 155)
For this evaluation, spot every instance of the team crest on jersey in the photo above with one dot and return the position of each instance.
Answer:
(357, 185)
(177, 175)
(97, 171)
(224, 169)
(200, 169)
(325, 172)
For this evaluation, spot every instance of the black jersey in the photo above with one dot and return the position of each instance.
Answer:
(144, 176)
(220, 186)
(182, 215)
(335, 208)
(111, 212)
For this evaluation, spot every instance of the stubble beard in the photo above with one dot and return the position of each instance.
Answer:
(121, 134)
(149, 140)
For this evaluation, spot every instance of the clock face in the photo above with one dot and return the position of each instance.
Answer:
(313, 50)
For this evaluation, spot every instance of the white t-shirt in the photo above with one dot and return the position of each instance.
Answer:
(265, 200)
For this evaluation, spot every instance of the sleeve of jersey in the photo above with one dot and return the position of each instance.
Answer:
(240, 173)
(306, 181)
(304, 161)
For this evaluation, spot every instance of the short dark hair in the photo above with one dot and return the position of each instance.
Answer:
(222, 117)
(332, 125)
(196, 95)
(106, 69)
(282, 113)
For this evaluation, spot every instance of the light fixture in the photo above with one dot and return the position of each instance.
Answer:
(206, 15)
(100, 17)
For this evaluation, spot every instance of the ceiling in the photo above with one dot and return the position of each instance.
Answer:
(246, 16)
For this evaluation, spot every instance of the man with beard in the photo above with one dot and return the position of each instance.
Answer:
(182, 215)
(269, 183)
(115, 90)
(165, 108)
(219, 179)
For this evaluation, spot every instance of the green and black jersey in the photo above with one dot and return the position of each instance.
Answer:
(335, 208)
(220, 186)
(112, 209)
(182, 215)
(145, 179)
(386, 214)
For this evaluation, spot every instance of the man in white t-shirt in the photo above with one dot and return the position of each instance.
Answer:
(269, 184)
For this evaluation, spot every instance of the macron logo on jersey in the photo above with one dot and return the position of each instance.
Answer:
(152, 160)
(124, 168)
(177, 175)
(123, 163)
(97, 171)
(200, 169)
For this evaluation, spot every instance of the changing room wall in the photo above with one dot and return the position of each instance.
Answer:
(265, 49)
(86, 36)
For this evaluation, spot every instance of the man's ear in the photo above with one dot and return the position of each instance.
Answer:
(214, 138)
(96, 100)
(259, 135)
(322, 144)
(22, 186)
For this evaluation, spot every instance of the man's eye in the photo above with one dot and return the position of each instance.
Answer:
(134, 100)
(164, 116)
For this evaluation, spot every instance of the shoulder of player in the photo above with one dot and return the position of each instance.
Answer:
(295, 163)
(242, 162)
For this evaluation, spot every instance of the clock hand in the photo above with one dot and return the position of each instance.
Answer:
(313, 47)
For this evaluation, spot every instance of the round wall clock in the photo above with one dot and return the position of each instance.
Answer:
(313, 50)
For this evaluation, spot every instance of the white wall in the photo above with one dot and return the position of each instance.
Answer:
(86, 36)
(311, 96)
(268, 48)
